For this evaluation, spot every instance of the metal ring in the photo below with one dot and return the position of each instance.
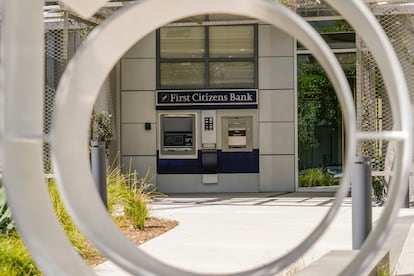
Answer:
(79, 88)
(366, 25)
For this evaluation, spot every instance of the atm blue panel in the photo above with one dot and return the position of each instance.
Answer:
(228, 162)
(238, 162)
(179, 166)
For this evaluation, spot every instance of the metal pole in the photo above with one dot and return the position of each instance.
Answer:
(361, 201)
(407, 198)
(98, 164)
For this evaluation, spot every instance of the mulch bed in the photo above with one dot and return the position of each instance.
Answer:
(153, 228)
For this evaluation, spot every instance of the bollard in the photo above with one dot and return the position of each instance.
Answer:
(361, 201)
(407, 198)
(98, 156)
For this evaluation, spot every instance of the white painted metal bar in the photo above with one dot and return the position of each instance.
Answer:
(336, 51)
(79, 87)
(85, 8)
(383, 135)
(22, 75)
(365, 24)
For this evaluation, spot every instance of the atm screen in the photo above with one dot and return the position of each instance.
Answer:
(178, 124)
(177, 135)
(178, 139)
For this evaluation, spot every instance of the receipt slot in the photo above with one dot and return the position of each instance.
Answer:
(237, 133)
(177, 136)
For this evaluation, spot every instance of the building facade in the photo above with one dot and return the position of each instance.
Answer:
(211, 108)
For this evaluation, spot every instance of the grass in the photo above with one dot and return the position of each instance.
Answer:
(78, 240)
(126, 192)
(131, 194)
(316, 177)
(14, 257)
(292, 269)
(6, 220)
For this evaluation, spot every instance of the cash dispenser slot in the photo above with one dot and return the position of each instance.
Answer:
(209, 161)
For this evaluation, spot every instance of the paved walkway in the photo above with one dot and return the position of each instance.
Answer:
(235, 232)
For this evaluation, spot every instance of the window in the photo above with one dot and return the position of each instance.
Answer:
(207, 57)
(320, 123)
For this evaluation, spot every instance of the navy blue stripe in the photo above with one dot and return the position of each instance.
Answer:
(238, 162)
(179, 166)
(228, 162)
(207, 107)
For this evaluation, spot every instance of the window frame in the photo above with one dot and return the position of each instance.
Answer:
(206, 61)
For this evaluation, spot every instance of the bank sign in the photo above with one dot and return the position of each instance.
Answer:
(207, 99)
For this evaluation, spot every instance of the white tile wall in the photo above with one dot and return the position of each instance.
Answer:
(277, 173)
(138, 107)
(274, 42)
(241, 183)
(138, 74)
(141, 164)
(277, 138)
(276, 72)
(145, 48)
(276, 105)
(135, 140)
(183, 183)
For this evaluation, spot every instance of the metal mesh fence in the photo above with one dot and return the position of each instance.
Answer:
(373, 108)
(372, 104)
(55, 64)
(63, 36)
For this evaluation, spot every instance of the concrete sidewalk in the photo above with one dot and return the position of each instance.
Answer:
(235, 232)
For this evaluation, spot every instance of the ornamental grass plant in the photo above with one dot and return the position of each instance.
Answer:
(14, 257)
(78, 240)
(128, 196)
(6, 220)
(316, 177)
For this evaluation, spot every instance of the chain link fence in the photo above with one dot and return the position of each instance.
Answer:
(62, 38)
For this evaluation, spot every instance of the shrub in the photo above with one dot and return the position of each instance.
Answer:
(316, 177)
(6, 220)
(102, 128)
(74, 235)
(130, 194)
(379, 189)
(125, 191)
(14, 258)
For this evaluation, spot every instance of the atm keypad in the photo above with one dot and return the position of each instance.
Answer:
(208, 123)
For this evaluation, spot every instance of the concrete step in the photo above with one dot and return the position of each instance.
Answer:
(335, 261)
(405, 264)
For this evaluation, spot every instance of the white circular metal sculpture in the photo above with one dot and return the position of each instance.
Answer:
(80, 85)
(79, 88)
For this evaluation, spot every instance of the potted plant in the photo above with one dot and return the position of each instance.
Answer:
(102, 131)
(101, 139)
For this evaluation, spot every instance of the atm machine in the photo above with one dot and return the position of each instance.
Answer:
(208, 148)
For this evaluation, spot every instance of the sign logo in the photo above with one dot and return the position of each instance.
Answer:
(164, 98)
